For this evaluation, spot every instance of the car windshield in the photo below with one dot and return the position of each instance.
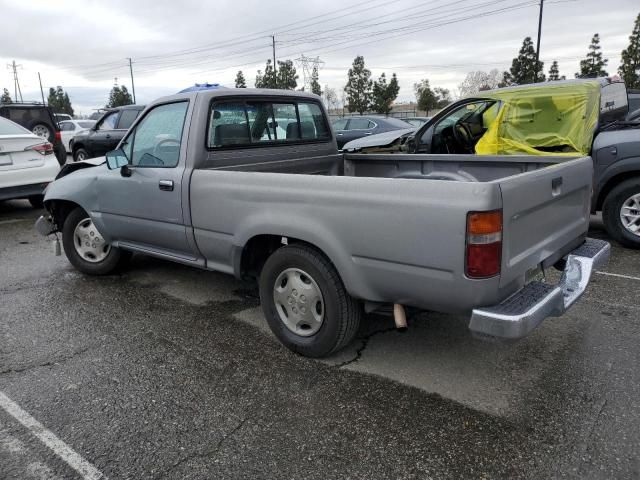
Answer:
(7, 127)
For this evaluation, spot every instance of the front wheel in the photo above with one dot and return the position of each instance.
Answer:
(305, 302)
(85, 247)
(621, 213)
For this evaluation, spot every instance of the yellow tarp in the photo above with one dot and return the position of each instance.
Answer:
(543, 120)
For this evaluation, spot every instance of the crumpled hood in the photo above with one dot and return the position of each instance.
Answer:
(68, 168)
(379, 140)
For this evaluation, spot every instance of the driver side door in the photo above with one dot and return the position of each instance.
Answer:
(142, 206)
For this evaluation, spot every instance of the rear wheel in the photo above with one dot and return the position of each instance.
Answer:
(85, 247)
(42, 130)
(305, 302)
(621, 213)
(80, 154)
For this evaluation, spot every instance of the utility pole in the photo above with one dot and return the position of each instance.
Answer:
(41, 90)
(539, 35)
(16, 83)
(133, 88)
(275, 71)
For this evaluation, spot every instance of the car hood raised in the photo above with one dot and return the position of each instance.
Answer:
(379, 140)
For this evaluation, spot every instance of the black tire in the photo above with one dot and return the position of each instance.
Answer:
(36, 201)
(61, 153)
(611, 212)
(114, 260)
(79, 152)
(342, 313)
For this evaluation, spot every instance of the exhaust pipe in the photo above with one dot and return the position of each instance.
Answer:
(400, 317)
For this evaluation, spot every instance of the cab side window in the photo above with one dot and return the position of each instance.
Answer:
(156, 140)
(254, 122)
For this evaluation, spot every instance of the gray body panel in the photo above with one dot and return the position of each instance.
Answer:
(393, 225)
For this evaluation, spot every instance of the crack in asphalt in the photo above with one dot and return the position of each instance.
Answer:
(208, 453)
(365, 342)
(48, 363)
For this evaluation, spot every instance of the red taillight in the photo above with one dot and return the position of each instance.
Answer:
(484, 244)
(42, 148)
(59, 136)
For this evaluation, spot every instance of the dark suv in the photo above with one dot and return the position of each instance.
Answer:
(39, 119)
(106, 133)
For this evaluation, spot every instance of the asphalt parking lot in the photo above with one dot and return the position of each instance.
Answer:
(165, 372)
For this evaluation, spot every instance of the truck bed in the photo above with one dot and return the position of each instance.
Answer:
(393, 227)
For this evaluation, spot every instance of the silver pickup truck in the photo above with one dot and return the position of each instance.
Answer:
(250, 182)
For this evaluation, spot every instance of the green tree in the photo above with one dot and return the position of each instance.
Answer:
(425, 97)
(286, 75)
(358, 87)
(524, 68)
(59, 101)
(240, 81)
(629, 68)
(6, 96)
(119, 96)
(593, 65)
(443, 97)
(554, 72)
(384, 94)
(315, 84)
(268, 79)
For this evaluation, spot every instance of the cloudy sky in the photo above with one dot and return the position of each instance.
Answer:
(83, 44)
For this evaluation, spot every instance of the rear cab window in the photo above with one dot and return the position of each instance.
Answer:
(263, 122)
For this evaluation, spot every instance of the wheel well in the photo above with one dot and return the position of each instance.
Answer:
(60, 210)
(612, 183)
(77, 146)
(259, 248)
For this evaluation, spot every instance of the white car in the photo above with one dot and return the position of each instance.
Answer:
(71, 128)
(27, 163)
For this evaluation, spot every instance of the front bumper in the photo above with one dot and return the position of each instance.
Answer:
(522, 312)
(45, 226)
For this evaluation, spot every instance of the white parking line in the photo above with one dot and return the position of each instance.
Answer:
(75, 461)
(628, 277)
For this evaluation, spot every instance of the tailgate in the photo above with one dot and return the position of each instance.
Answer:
(544, 212)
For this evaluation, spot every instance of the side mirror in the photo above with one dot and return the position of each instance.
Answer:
(116, 159)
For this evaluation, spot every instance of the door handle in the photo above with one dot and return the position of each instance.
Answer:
(107, 136)
(339, 134)
(368, 133)
(613, 151)
(166, 185)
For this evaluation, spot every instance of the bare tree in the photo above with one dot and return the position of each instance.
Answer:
(330, 98)
(478, 81)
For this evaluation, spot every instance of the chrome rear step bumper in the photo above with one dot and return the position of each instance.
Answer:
(522, 312)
